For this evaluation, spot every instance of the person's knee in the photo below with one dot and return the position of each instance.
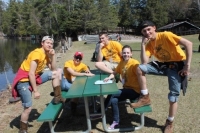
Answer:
(60, 70)
(114, 101)
(173, 98)
(57, 74)
(98, 64)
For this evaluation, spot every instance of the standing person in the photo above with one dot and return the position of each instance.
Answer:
(118, 37)
(31, 73)
(172, 61)
(73, 68)
(111, 51)
(127, 68)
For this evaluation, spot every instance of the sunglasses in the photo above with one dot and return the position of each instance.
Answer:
(78, 58)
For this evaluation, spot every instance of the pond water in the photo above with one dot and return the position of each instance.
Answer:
(12, 53)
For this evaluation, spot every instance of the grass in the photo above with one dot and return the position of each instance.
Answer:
(186, 120)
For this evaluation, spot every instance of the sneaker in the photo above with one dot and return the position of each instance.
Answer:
(114, 125)
(95, 116)
(168, 127)
(143, 100)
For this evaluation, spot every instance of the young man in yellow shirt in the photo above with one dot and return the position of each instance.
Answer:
(31, 73)
(111, 51)
(72, 69)
(172, 62)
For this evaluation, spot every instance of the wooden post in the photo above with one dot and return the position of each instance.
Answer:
(69, 42)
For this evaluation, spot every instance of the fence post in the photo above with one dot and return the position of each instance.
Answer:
(69, 42)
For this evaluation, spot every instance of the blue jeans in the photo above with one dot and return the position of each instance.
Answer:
(65, 84)
(174, 80)
(122, 95)
(25, 93)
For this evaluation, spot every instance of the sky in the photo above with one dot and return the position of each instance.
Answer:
(6, 1)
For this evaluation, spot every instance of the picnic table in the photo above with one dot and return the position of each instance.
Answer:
(85, 87)
(89, 88)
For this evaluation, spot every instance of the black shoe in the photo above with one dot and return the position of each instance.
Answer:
(52, 94)
(93, 59)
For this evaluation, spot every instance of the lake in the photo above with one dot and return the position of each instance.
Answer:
(12, 53)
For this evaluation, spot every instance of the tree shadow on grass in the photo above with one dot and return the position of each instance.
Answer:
(33, 116)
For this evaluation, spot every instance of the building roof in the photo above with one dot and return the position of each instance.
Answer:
(172, 25)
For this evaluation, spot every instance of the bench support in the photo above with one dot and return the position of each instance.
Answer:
(140, 110)
(141, 122)
(51, 127)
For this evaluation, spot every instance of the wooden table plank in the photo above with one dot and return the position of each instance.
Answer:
(108, 88)
(90, 88)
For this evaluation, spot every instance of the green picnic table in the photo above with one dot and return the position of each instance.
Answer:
(85, 87)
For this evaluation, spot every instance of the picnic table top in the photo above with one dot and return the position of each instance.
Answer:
(84, 86)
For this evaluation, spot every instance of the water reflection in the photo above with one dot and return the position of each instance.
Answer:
(12, 53)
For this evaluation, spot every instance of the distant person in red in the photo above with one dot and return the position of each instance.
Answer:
(31, 73)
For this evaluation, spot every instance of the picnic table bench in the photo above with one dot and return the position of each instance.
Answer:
(51, 112)
(141, 111)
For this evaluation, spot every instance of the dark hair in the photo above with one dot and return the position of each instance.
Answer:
(146, 23)
(127, 46)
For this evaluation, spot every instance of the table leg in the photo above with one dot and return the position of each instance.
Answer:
(104, 120)
(87, 114)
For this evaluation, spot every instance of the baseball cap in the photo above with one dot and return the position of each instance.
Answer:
(146, 23)
(78, 53)
(47, 37)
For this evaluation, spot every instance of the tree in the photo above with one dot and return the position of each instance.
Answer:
(108, 15)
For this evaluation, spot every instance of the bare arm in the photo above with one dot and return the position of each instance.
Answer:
(110, 77)
(32, 79)
(188, 49)
(52, 64)
(143, 56)
(72, 72)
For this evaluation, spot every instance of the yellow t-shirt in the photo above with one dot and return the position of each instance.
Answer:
(166, 48)
(77, 68)
(37, 55)
(128, 73)
(112, 51)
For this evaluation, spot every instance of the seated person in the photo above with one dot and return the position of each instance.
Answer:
(73, 68)
(111, 50)
(131, 90)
